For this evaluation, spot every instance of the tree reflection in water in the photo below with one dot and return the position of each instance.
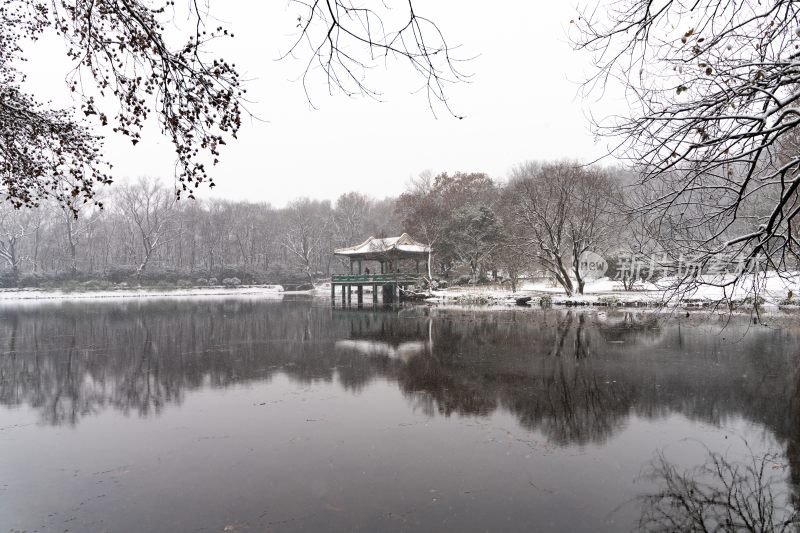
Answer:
(720, 495)
(576, 377)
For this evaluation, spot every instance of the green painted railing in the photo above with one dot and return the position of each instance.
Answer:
(399, 277)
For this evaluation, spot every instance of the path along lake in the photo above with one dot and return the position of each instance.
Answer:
(286, 415)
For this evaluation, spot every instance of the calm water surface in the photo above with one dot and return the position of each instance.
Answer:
(251, 415)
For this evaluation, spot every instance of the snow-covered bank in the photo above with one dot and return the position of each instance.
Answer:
(769, 290)
(150, 292)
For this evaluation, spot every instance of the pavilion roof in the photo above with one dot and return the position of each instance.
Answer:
(374, 248)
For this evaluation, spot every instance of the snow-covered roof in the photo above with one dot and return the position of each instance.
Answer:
(378, 247)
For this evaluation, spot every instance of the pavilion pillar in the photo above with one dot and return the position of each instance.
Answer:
(349, 294)
(374, 294)
(333, 294)
(360, 294)
(359, 267)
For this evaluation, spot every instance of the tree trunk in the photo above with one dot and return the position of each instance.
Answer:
(36, 251)
(430, 275)
(562, 276)
(576, 268)
(475, 274)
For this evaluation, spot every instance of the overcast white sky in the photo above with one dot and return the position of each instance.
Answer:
(522, 104)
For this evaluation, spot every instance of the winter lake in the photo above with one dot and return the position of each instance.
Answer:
(246, 414)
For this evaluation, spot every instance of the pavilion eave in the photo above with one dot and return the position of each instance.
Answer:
(382, 256)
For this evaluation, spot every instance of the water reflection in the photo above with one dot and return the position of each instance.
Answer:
(722, 494)
(372, 335)
(577, 378)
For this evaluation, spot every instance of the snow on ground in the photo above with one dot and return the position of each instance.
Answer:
(772, 290)
(54, 294)
(770, 287)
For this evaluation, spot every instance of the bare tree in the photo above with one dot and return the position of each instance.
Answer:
(543, 207)
(76, 220)
(124, 52)
(345, 39)
(594, 222)
(350, 214)
(248, 230)
(565, 211)
(14, 227)
(304, 234)
(423, 214)
(121, 49)
(215, 229)
(509, 254)
(150, 209)
(713, 87)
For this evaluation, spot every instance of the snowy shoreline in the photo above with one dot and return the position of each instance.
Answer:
(7, 295)
(773, 293)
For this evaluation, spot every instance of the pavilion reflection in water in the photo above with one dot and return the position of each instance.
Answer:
(373, 335)
(577, 378)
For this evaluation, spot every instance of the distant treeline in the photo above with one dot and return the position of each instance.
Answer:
(538, 220)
